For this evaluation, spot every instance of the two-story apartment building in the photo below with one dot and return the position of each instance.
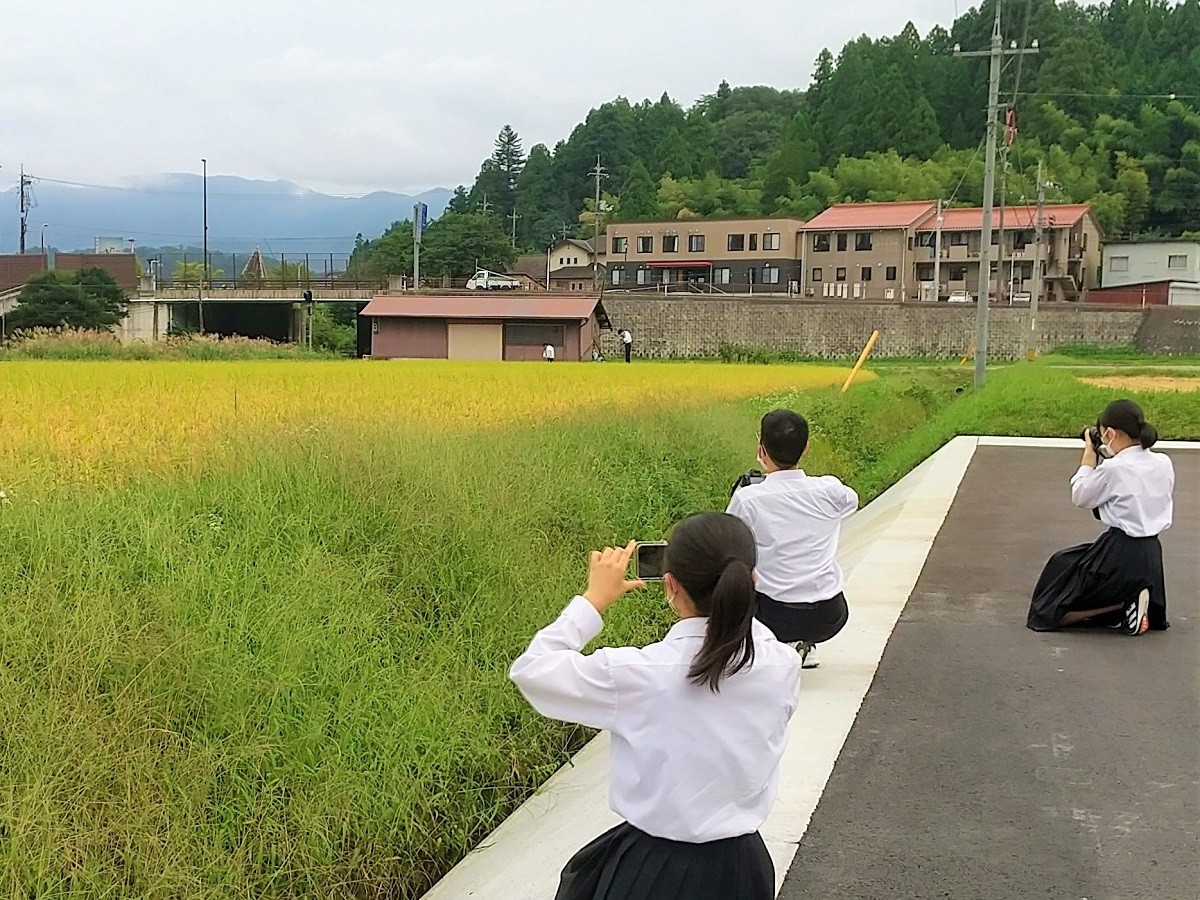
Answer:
(863, 251)
(1145, 262)
(724, 255)
(1070, 254)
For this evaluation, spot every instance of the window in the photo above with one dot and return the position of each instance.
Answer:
(820, 243)
(736, 243)
(862, 241)
(925, 272)
(995, 237)
(754, 242)
(645, 244)
(519, 334)
(562, 260)
(770, 275)
(841, 274)
(616, 276)
(722, 276)
(771, 240)
(1118, 264)
(643, 276)
(817, 275)
(620, 245)
(890, 273)
(1177, 261)
(670, 243)
(958, 239)
(695, 243)
(843, 238)
(958, 273)
(866, 273)
(926, 239)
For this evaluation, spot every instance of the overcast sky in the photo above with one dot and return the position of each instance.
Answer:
(358, 95)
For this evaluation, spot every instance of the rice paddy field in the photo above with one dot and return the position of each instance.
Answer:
(255, 617)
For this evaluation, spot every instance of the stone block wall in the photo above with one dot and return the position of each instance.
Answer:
(666, 327)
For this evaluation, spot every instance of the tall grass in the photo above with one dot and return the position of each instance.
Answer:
(285, 676)
(83, 344)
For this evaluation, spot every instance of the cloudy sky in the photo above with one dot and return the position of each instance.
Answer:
(358, 95)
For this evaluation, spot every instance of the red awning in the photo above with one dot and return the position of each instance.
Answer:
(691, 264)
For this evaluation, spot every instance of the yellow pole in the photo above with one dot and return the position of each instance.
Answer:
(968, 355)
(861, 359)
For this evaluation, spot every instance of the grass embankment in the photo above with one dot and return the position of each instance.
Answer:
(82, 344)
(284, 675)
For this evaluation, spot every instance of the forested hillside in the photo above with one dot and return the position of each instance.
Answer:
(1111, 105)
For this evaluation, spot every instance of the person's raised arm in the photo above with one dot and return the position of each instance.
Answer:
(1090, 485)
(555, 677)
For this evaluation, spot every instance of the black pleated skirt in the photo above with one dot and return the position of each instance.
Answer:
(627, 864)
(1111, 570)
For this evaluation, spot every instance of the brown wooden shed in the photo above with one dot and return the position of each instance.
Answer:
(484, 326)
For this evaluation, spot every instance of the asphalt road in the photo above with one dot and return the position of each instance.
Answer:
(989, 761)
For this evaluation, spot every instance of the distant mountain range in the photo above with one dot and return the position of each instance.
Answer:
(278, 216)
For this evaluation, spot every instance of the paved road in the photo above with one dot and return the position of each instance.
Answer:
(989, 761)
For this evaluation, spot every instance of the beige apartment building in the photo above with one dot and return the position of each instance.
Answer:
(735, 256)
(885, 251)
(1070, 255)
(863, 251)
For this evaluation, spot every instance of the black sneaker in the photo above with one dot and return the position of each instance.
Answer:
(1135, 620)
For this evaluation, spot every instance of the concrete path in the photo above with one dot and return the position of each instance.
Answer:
(987, 761)
(992, 762)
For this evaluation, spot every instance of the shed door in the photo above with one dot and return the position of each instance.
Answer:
(472, 340)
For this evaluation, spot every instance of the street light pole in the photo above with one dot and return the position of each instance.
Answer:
(44, 227)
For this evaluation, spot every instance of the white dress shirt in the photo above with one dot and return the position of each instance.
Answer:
(687, 764)
(1132, 491)
(796, 520)
(548, 352)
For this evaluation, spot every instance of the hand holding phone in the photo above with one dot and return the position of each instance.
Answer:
(607, 582)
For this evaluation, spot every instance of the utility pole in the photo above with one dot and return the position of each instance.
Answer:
(204, 265)
(417, 246)
(937, 254)
(513, 215)
(996, 53)
(26, 204)
(484, 205)
(1035, 294)
(1000, 242)
(597, 173)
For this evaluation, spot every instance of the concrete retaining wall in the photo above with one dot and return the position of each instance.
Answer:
(697, 326)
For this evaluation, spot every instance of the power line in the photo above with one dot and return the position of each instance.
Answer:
(1115, 95)
(129, 189)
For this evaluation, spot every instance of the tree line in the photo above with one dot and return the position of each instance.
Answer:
(1109, 106)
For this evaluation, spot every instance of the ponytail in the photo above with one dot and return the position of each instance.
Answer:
(712, 556)
(1127, 416)
(1148, 436)
(728, 644)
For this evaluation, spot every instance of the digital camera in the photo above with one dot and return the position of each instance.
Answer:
(754, 476)
(1091, 434)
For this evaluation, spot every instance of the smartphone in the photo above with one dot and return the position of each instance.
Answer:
(650, 560)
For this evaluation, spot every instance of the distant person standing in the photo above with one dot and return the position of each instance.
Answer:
(627, 340)
(548, 353)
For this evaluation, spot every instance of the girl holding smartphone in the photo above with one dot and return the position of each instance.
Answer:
(698, 722)
(1117, 580)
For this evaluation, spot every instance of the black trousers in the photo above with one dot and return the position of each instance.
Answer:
(627, 864)
(628, 352)
(812, 623)
(1111, 570)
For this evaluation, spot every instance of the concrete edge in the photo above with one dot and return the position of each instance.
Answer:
(884, 546)
(1071, 443)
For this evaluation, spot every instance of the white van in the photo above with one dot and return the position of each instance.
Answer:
(960, 297)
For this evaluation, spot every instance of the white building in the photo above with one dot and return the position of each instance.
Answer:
(1143, 262)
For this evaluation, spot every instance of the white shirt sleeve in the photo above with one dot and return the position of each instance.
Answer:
(559, 681)
(1090, 487)
(735, 508)
(849, 501)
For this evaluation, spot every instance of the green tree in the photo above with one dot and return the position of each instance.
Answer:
(508, 156)
(791, 163)
(674, 156)
(189, 273)
(330, 335)
(1134, 185)
(455, 244)
(460, 202)
(639, 196)
(541, 207)
(90, 299)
